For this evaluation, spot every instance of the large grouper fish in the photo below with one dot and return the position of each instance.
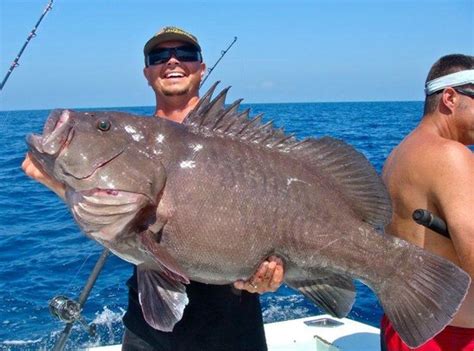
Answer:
(209, 199)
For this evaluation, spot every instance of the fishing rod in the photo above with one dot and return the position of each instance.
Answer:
(431, 221)
(223, 52)
(69, 311)
(32, 34)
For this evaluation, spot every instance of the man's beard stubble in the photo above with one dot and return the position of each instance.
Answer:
(174, 92)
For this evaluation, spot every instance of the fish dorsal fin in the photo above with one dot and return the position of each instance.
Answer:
(340, 162)
(350, 170)
(201, 110)
(213, 117)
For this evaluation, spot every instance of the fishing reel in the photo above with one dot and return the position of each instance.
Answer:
(69, 311)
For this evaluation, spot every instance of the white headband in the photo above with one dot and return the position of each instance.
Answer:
(450, 80)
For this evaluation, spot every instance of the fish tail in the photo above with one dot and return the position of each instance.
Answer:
(423, 295)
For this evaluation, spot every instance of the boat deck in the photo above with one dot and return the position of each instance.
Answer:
(316, 333)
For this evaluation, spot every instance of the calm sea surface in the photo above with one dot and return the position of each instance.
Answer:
(43, 254)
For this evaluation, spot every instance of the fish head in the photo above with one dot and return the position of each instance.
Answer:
(98, 150)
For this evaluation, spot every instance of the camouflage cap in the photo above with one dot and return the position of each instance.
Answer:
(170, 34)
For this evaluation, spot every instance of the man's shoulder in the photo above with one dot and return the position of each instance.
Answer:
(429, 148)
(424, 159)
(448, 158)
(440, 165)
(417, 151)
(455, 162)
(455, 152)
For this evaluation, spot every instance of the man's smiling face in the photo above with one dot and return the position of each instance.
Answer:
(175, 77)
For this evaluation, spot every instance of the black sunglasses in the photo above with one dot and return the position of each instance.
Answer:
(182, 53)
(464, 91)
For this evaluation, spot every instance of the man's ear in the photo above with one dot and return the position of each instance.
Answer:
(146, 73)
(203, 69)
(449, 98)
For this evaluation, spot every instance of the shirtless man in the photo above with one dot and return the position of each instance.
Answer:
(433, 169)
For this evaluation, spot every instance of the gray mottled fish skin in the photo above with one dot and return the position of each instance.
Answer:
(209, 199)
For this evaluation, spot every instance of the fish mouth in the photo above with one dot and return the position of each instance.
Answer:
(35, 142)
(56, 134)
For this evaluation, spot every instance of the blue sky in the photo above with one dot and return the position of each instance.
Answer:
(89, 53)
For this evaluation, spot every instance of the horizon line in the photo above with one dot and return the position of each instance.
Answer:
(243, 103)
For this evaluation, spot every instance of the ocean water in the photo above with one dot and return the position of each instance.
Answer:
(43, 253)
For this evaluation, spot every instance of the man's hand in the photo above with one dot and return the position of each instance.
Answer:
(37, 174)
(268, 277)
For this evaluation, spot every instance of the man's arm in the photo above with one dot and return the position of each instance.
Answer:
(37, 174)
(453, 187)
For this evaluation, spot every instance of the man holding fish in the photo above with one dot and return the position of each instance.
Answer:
(217, 317)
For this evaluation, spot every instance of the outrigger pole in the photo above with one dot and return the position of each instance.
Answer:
(32, 34)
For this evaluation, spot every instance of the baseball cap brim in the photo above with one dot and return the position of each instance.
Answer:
(164, 36)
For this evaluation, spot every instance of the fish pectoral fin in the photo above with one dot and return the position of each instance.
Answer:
(334, 293)
(162, 299)
(167, 263)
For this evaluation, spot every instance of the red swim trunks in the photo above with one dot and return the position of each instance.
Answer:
(450, 339)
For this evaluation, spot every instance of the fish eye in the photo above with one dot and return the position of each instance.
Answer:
(103, 125)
